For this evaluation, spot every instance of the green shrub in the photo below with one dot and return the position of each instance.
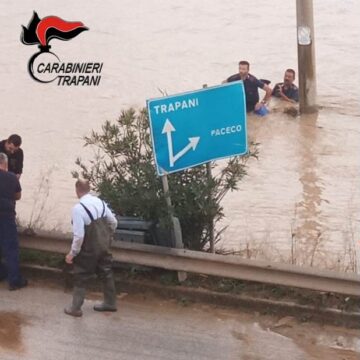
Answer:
(123, 173)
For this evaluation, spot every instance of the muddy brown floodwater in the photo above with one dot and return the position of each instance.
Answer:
(11, 324)
(300, 203)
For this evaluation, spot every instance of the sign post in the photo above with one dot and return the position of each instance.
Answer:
(211, 225)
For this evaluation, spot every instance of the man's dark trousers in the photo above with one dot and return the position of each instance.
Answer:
(9, 247)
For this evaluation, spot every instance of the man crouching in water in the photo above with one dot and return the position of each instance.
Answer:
(93, 226)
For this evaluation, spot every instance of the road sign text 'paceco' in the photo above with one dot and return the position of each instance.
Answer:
(193, 128)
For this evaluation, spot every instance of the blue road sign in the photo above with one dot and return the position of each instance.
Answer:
(193, 128)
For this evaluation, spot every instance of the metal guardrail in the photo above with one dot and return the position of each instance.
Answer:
(228, 266)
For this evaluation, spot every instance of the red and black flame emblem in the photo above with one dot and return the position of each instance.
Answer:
(41, 31)
(51, 27)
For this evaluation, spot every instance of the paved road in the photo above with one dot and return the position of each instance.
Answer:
(33, 327)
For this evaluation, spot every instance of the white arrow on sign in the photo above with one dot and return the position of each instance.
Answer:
(193, 141)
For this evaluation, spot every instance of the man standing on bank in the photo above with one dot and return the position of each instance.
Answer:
(11, 147)
(93, 227)
(251, 85)
(10, 191)
(287, 90)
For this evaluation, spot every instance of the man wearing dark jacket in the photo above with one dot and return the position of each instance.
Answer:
(251, 85)
(287, 90)
(10, 191)
(11, 147)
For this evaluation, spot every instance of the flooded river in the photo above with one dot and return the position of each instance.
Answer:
(300, 203)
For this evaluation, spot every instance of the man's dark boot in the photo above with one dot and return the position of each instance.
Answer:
(109, 303)
(78, 299)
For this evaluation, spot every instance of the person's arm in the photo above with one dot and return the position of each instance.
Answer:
(295, 96)
(78, 226)
(284, 97)
(17, 195)
(231, 78)
(110, 218)
(19, 163)
(268, 92)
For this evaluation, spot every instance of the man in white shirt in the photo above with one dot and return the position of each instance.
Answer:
(93, 226)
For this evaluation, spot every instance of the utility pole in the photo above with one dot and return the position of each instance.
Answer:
(306, 56)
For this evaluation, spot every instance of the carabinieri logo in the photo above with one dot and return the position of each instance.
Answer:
(45, 66)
